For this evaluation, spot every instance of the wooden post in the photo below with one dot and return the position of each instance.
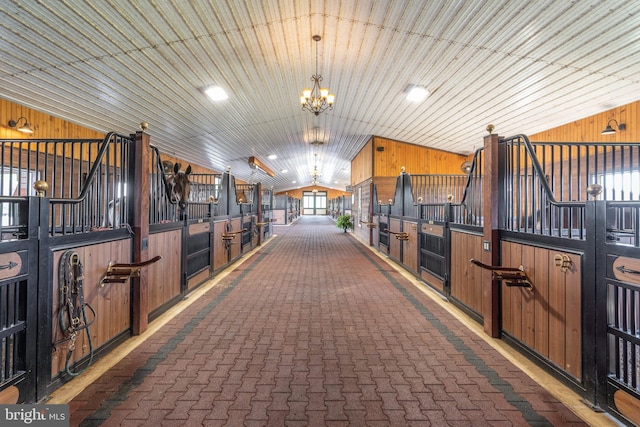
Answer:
(491, 240)
(139, 187)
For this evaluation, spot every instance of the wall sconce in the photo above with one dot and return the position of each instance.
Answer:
(610, 131)
(26, 128)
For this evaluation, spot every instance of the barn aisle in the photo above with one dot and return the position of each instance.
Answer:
(315, 329)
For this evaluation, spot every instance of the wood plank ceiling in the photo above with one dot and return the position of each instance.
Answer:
(525, 66)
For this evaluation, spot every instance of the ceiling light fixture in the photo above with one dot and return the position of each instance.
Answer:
(216, 93)
(316, 100)
(26, 128)
(316, 142)
(610, 131)
(315, 173)
(416, 93)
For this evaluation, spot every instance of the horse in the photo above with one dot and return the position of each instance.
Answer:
(180, 186)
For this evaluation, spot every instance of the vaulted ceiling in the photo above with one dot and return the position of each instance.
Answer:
(524, 66)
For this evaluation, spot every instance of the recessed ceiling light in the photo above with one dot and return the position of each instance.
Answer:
(216, 93)
(284, 171)
(272, 157)
(294, 181)
(417, 93)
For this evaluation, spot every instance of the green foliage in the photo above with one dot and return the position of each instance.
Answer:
(344, 222)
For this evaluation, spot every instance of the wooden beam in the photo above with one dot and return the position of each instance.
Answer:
(254, 162)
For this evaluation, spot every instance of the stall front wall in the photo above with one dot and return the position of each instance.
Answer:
(111, 301)
(553, 299)
(467, 280)
(128, 255)
(164, 275)
(547, 318)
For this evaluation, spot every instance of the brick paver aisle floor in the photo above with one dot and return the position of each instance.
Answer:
(316, 330)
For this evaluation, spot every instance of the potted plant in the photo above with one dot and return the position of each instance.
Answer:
(344, 222)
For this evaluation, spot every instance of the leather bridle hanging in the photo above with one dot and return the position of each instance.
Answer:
(72, 314)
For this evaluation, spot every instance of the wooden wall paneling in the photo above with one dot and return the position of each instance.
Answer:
(557, 312)
(164, 275)
(95, 259)
(44, 125)
(459, 270)
(236, 225)
(331, 193)
(416, 159)
(529, 297)
(198, 279)
(220, 253)
(394, 244)
(50, 127)
(506, 297)
(410, 249)
(573, 326)
(385, 188)
(120, 298)
(466, 278)
(362, 164)
(278, 216)
(540, 279)
(589, 128)
(111, 302)
(476, 277)
(516, 292)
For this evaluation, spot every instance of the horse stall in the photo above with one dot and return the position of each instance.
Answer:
(56, 311)
(97, 238)
(545, 254)
(248, 198)
(286, 209)
(340, 205)
(265, 226)
(200, 236)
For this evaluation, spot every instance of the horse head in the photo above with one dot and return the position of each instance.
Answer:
(181, 186)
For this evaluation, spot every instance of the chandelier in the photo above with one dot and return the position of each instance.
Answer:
(316, 100)
(315, 173)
